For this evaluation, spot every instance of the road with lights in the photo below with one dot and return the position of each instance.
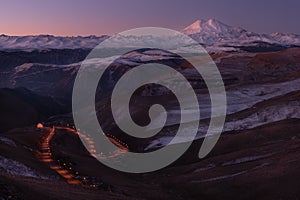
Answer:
(61, 167)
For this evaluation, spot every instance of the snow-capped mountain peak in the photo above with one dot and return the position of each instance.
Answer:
(195, 27)
(209, 26)
(213, 33)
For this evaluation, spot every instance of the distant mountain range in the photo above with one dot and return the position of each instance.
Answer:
(211, 33)
(49, 42)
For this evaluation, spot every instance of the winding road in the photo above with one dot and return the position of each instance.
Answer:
(44, 154)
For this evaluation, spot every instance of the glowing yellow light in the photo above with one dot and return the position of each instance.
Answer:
(40, 126)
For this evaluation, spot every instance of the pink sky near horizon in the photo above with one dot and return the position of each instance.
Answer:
(97, 17)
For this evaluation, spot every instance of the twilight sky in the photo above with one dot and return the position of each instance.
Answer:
(97, 17)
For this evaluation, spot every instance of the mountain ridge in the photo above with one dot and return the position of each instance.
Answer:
(211, 33)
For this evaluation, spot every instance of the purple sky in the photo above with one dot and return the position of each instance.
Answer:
(96, 17)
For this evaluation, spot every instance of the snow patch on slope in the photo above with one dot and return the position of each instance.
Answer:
(8, 141)
(15, 168)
